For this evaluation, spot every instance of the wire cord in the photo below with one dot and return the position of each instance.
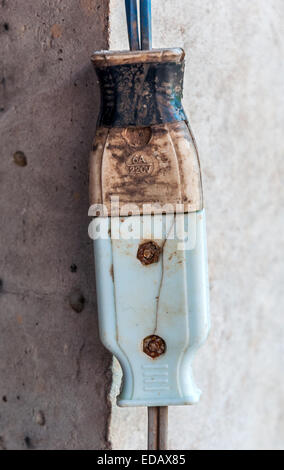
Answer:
(135, 42)
(132, 23)
(158, 428)
(146, 24)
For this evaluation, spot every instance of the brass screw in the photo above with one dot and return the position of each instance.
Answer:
(154, 346)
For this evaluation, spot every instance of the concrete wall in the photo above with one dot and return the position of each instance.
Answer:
(54, 374)
(235, 101)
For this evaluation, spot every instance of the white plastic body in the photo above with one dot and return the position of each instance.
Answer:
(169, 298)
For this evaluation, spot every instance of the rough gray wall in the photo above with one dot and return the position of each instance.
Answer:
(53, 370)
(234, 97)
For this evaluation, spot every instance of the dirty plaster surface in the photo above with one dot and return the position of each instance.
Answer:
(234, 98)
(54, 374)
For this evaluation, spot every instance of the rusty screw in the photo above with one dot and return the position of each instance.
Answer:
(149, 253)
(154, 346)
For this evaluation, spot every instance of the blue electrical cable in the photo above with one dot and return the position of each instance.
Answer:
(132, 23)
(146, 24)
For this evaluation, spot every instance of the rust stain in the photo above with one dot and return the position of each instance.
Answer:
(137, 136)
(56, 31)
(149, 253)
(111, 271)
(106, 58)
(146, 166)
(162, 276)
(154, 346)
(19, 319)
